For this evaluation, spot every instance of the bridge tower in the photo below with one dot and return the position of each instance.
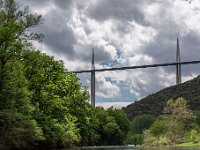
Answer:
(92, 80)
(178, 66)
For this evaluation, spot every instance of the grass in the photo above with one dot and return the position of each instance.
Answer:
(189, 144)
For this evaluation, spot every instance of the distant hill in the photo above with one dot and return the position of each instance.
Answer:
(154, 103)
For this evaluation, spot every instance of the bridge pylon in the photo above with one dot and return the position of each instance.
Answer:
(178, 66)
(92, 80)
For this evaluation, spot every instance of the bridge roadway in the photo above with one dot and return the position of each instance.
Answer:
(139, 67)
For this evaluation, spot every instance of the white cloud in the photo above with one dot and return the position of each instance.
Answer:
(106, 88)
(140, 59)
(117, 105)
(123, 33)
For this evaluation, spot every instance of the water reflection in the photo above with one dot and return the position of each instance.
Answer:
(174, 148)
(134, 148)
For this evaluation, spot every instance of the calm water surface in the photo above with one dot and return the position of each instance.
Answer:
(133, 148)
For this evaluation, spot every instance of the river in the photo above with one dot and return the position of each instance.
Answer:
(134, 148)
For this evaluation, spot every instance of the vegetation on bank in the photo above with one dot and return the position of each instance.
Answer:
(178, 125)
(41, 104)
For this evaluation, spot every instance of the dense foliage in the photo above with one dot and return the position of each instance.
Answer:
(138, 125)
(41, 104)
(178, 124)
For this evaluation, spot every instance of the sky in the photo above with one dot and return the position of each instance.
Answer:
(122, 33)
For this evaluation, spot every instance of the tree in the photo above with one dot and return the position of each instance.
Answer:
(137, 126)
(123, 122)
(179, 115)
(17, 127)
(135, 139)
(142, 122)
(54, 93)
(31, 94)
(178, 110)
(42, 104)
(159, 127)
(14, 26)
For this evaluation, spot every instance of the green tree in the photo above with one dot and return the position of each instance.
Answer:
(42, 92)
(135, 139)
(140, 123)
(159, 127)
(41, 103)
(178, 110)
(123, 122)
(179, 117)
(17, 127)
(197, 117)
(14, 26)
(54, 93)
(111, 131)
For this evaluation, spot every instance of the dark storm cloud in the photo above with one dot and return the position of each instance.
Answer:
(61, 4)
(84, 53)
(59, 30)
(34, 3)
(64, 4)
(59, 37)
(163, 48)
(123, 10)
(190, 44)
(190, 50)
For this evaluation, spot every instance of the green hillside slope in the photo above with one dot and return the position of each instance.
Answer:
(154, 103)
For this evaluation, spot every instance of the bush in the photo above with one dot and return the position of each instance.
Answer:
(149, 139)
(140, 123)
(192, 136)
(159, 127)
(163, 140)
(197, 117)
(135, 139)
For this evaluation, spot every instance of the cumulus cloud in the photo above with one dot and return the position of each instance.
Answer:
(122, 33)
(126, 10)
(116, 105)
(105, 88)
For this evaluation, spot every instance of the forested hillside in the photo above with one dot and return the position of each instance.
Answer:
(154, 103)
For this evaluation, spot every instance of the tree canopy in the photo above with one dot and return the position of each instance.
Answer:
(42, 104)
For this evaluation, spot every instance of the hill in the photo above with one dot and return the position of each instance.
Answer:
(154, 103)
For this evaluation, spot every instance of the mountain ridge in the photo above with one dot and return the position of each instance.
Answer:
(154, 103)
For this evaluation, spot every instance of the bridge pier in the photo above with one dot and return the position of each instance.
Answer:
(93, 80)
(178, 65)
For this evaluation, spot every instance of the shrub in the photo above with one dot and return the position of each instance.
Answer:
(159, 127)
(140, 123)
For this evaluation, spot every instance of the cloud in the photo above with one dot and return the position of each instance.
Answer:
(64, 4)
(122, 33)
(117, 105)
(105, 88)
(126, 10)
(60, 41)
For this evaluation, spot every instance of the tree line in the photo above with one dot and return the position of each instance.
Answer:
(178, 124)
(41, 104)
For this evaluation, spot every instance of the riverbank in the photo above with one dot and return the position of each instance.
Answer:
(108, 147)
(189, 144)
(182, 146)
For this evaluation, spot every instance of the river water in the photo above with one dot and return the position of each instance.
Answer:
(134, 148)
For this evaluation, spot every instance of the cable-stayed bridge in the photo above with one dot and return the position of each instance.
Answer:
(177, 64)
